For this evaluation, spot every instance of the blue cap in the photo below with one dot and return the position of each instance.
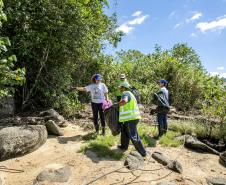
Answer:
(163, 81)
(98, 77)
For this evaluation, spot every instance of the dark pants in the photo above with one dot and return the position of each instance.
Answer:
(119, 98)
(129, 132)
(97, 109)
(162, 123)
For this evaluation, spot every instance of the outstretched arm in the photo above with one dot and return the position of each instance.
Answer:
(81, 89)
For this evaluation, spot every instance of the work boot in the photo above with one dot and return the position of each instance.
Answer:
(103, 131)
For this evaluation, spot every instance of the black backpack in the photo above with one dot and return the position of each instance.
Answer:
(161, 101)
(136, 93)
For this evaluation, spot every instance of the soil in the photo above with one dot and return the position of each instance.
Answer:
(64, 150)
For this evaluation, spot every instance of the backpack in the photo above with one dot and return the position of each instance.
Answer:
(136, 93)
(162, 102)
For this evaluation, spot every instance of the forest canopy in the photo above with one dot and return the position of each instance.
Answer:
(60, 43)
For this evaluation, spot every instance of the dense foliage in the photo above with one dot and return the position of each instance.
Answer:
(60, 43)
(56, 41)
(9, 77)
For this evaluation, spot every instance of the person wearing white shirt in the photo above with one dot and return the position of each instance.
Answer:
(99, 93)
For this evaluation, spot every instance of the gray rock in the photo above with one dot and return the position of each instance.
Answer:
(51, 114)
(52, 128)
(134, 160)
(175, 166)
(223, 158)
(193, 143)
(171, 164)
(7, 107)
(160, 158)
(54, 173)
(16, 141)
(165, 183)
(216, 181)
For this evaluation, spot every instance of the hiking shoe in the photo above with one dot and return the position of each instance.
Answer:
(121, 148)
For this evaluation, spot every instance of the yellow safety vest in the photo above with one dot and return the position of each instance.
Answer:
(130, 111)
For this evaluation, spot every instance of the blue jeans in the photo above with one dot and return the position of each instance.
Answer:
(162, 123)
(129, 132)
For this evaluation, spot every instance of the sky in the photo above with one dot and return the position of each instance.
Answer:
(199, 23)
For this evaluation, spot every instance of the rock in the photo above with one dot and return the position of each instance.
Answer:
(134, 160)
(7, 106)
(160, 158)
(181, 138)
(52, 128)
(165, 183)
(223, 158)
(195, 144)
(51, 114)
(216, 181)
(175, 166)
(171, 164)
(16, 141)
(54, 173)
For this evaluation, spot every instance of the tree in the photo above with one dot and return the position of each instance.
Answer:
(9, 77)
(56, 42)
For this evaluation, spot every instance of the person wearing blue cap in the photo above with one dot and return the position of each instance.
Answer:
(163, 110)
(99, 93)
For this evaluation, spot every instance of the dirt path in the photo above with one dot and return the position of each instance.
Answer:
(64, 150)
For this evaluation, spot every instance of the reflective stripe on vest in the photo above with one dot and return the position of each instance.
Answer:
(130, 110)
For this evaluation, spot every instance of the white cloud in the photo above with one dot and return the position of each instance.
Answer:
(195, 16)
(125, 28)
(193, 35)
(220, 68)
(172, 14)
(137, 14)
(221, 75)
(128, 26)
(177, 25)
(138, 20)
(218, 24)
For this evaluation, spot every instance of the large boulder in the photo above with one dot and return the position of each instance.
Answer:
(53, 128)
(51, 114)
(193, 143)
(7, 106)
(54, 173)
(16, 141)
(134, 160)
(223, 158)
(216, 181)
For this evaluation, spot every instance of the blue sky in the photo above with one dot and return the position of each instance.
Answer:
(199, 23)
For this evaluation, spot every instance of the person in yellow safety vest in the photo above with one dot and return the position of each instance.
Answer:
(120, 81)
(129, 116)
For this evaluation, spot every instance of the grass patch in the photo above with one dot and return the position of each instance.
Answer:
(101, 145)
(169, 139)
(145, 132)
